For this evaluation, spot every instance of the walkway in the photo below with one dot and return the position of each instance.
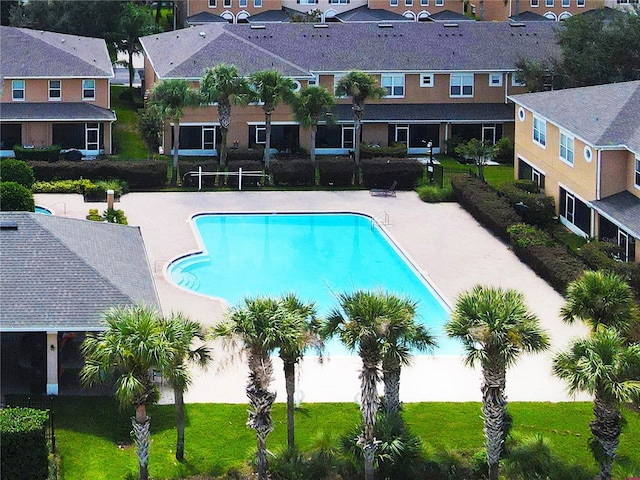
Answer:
(443, 241)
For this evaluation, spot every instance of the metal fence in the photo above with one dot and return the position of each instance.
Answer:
(38, 403)
(442, 175)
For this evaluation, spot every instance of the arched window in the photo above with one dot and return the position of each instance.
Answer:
(228, 16)
(564, 16)
(409, 14)
(551, 15)
(423, 16)
(242, 17)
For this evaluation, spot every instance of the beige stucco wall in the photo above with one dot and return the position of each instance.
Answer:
(631, 177)
(614, 172)
(37, 90)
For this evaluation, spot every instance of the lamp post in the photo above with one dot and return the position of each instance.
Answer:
(430, 166)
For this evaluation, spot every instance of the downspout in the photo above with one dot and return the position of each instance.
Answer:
(598, 193)
(506, 86)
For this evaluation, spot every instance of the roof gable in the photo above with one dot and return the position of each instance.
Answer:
(36, 53)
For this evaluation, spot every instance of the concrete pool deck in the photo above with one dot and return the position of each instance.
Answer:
(443, 241)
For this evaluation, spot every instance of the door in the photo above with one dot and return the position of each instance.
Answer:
(402, 134)
(489, 134)
(208, 138)
(93, 134)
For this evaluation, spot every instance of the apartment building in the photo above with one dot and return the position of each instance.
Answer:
(582, 145)
(55, 90)
(557, 10)
(442, 79)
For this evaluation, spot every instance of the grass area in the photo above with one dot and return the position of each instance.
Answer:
(126, 139)
(93, 435)
(495, 175)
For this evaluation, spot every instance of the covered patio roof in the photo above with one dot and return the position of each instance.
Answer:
(623, 209)
(54, 111)
(431, 112)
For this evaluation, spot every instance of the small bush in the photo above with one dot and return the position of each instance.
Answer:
(17, 171)
(45, 154)
(23, 445)
(604, 256)
(110, 215)
(62, 186)
(247, 166)
(452, 143)
(381, 172)
(534, 207)
(430, 194)
(295, 172)
(336, 172)
(523, 236)
(485, 205)
(504, 152)
(395, 150)
(16, 198)
(97, 192)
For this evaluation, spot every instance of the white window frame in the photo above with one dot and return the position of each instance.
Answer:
(208, 129)
(336, 79)
(426, 80)
(313, 82)
(243, 3)
(461, 80)
(637, 173)
(535, 3)
(227, 3)
(257, 3)
(213, 3)
(92, 128)
(515, 82)
(566, 149)
(261, 129)
(549, 3)
(18, 86)
(580, 3)
(86, 88)
(393, 3)
(391, 82)
(54, 90)
(439, 3)
(566, 3)
(497, 76)
(345, 130)
(539, 132)
(424, 3)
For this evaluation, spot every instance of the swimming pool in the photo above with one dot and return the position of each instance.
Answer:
(43, 210)
(314, 255)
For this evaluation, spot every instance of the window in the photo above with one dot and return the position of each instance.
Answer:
(213, 3)
(439, 3)
(574, 213)
(408, 3)
(461, 85)
(549, 3)
(515, 82)
(424, 3)
(261, 134)
(539, 131)
(495, 79)
(55, 90)
(306, 2)
(336, 80)
(566, 148)
(312, 82)
(17, 90)
(226, 3)
(393, 3)
(88, 89)
(426, 79)
(637, 172)
(393, 84)
(580, 3)
(257, 3)
(10, 135)
(535, 3)
(527, 172)
(566, 3)
(242, 3)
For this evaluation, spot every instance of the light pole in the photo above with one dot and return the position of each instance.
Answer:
(430, 166)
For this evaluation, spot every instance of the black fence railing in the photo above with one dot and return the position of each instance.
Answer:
(38, 403)
(442, 175)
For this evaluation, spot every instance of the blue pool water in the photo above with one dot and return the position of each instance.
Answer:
(43, 210)
(316, 256)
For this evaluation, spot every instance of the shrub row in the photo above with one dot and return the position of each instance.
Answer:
(294, 172)
(18, 171)
(336, 172)
(138, 175)
(395, 150)
(15, 198)
(534, 207)
(247, 166)
(62, 186)
(485, 205)
(551, 261)
(46, 154)
(381, 172)
(23, 444)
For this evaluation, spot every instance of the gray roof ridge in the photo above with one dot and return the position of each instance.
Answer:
(44, 39)
(630, 105)
(84, 260)
(218, 31)
(264, 50)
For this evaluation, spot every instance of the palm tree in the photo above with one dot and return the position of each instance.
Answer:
(302, 318)
(270, 88)
(170, 97)
(600, 298)
(222, 84)
(402, 335)
(181, 332)
(605, 366)
(129, 349)
(495, 328)
(360, 86)
(308, 105)
(360, 323)
(259, 326)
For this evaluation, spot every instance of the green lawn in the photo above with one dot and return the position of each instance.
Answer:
(126, 139)
(89, 431)
(495, 175)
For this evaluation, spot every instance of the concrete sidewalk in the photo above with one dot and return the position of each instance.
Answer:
(443, 241)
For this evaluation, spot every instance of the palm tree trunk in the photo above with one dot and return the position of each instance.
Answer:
(314, 131)
(224, 115)
(369, 407)
(358, 110)
(606, 429)
(176, 145)
(267, 146)
(131, 69)
(290, 384)
(261, 401)
(141, 425)
(493, 412)
(391, 378)
(179, 401)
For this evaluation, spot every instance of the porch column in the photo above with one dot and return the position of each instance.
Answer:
(52, 363)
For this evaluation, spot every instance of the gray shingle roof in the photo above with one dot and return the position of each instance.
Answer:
(205, 17)
(624, 207)
(366, 14)
(431, 112)
(61, 273)
(45, 111)
(603, 115)
(34, 53)
(297, 48)
(283, 15)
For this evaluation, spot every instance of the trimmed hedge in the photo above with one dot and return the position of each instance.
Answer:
(381, 172)
(190, 165)
(62, 186)
(247, 166)
(16, 198)
(138, 175)
(23, 444)
(534, 207)
(482, 201)
(431, 194)
(17, 171)
(395, 150)
(297, 172)
(46, 154)
(336, 172)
